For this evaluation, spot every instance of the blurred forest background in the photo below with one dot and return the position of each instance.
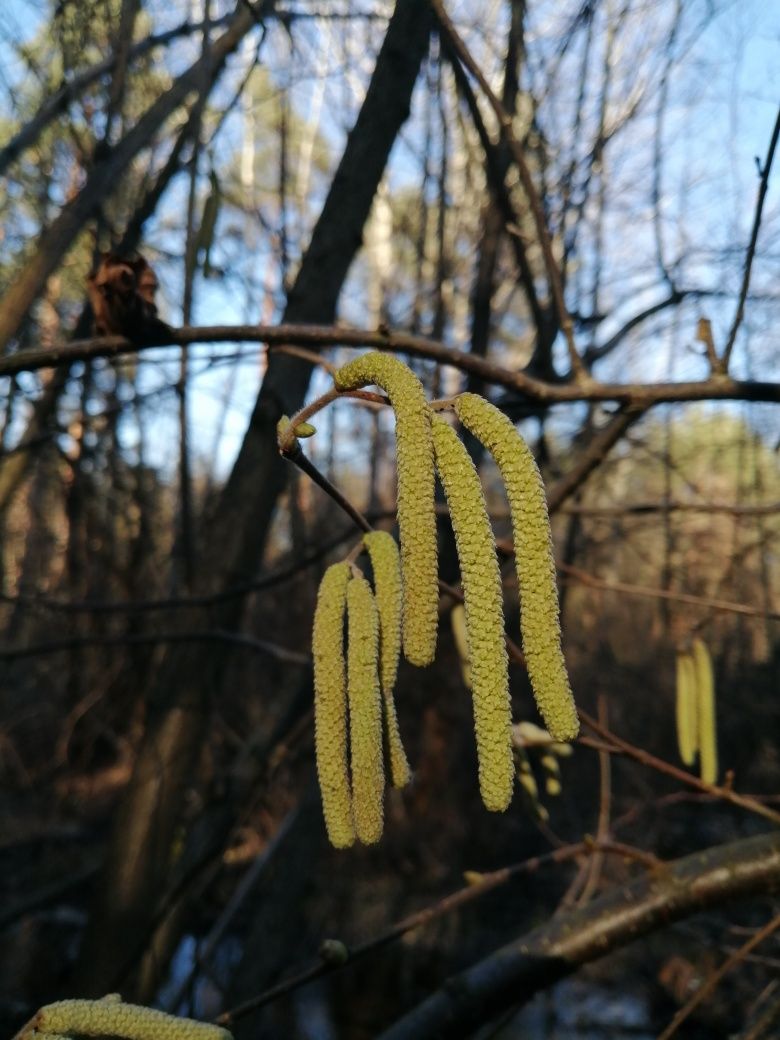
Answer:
(304, 161)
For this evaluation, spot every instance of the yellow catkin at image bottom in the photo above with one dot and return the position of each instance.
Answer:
(330, 705)
(130, 1021)
(365, 711)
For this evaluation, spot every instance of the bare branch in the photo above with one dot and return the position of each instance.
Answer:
(321, 336)
(535, 961)
(751, 252)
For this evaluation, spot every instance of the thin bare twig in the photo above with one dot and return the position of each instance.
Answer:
(622, 746)
(678, 597)
(751, 251)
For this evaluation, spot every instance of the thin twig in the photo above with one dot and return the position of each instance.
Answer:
(575, 574)
(622, 746)
(751, 251)
(11, 653)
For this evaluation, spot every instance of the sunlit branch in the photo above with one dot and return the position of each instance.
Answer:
(321, 336)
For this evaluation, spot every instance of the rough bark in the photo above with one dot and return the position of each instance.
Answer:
(137, 861)
(512, 975)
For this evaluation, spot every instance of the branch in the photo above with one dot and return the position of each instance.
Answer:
(11, 653)
(751, 252)
(315, 337)
(628, 589)
(514, 974)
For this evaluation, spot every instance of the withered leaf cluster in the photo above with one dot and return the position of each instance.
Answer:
(121, 292)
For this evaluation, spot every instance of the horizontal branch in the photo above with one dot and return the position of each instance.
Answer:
(514, 974)
(54, 646)
(318, 337)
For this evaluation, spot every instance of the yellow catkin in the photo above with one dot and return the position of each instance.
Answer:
(539, 618)
(130, 1021)
(416, 513)
(365, 711)
(483, 601)
(386, 565)
(330, 705)
(705, 699)
(686, 709)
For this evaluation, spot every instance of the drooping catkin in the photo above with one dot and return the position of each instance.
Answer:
(386, 565)
(686, 709)
(416, 513)
(483, 601)
(130, 1021)
(705, 699)
(539, 614)
(365, 711)
(330, 705)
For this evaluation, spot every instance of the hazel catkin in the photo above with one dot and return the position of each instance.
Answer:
(386, 565)
(130, 1021)
(365, 711)
(539, 614)
(330, 705)
(483, 601)
(416, 513)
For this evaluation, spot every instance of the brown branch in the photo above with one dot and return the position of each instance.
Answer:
(12, 653)
(649, 508)
(751, 252)
(678, 597)
(322, 336)
(514, 974)
(645, 758)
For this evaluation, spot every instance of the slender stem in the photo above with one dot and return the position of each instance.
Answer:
(751, 251)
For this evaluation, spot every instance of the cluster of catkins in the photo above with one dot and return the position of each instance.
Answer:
(695, 715)
(402, 610)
